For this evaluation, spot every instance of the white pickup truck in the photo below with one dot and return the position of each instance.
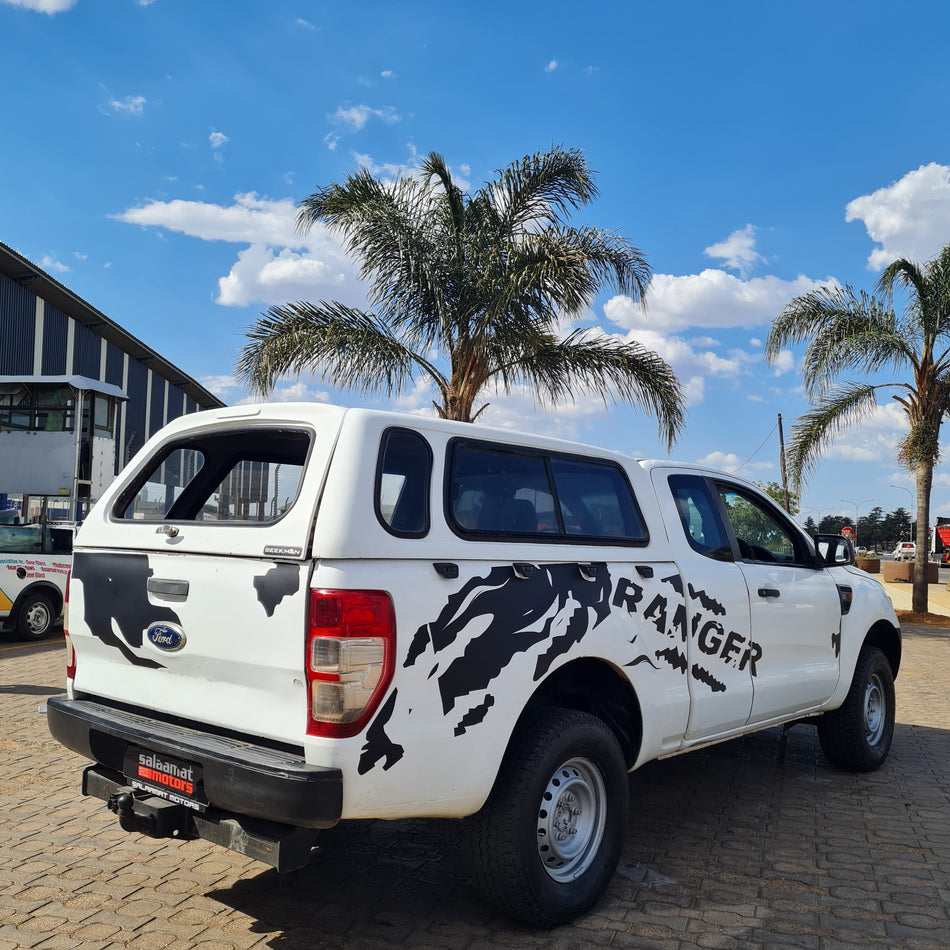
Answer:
(286, 616)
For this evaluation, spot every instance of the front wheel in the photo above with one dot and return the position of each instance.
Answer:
(857, 736)
(35, 617)
(547, 841)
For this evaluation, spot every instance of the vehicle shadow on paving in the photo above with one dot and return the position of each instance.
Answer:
(714, 830)
(24, 689)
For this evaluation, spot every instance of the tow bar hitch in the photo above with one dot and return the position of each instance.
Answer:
(150, 815)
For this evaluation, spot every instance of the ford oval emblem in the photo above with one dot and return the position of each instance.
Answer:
(165, 636)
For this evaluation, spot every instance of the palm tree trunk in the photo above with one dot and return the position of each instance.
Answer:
(925, 475)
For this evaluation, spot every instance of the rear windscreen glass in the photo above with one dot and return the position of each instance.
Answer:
(246, 475)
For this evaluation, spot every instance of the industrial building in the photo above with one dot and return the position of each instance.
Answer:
(79, 395)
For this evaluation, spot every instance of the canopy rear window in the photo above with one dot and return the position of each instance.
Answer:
(247, 476)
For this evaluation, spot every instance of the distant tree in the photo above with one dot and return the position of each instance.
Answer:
(810, 526)
(844, 331)
(832, 524)
(469, 290)
(775, 491)
(869, 528)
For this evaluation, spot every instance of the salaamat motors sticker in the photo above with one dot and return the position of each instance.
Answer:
(176, 781)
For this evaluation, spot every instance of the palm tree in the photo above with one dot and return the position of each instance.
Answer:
(845, 330)
(469, 290)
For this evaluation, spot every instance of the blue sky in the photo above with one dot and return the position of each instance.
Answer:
(153, 152)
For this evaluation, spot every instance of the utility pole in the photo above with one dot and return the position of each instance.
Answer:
(781, 449)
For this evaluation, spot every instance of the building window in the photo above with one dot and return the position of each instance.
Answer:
(37, 408)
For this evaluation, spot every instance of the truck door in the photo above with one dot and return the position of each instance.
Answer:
(795, 607)
(721, 652)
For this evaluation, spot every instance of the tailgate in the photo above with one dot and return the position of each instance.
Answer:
(190, 578)
(213, 639)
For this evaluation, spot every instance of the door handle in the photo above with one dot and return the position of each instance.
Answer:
(769, 592)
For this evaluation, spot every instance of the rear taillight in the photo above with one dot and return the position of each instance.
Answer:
(70, 659)
(70, 652)
(351, 642)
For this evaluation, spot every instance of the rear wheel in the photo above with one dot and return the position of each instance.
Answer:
(35, 617)
(547, 841)
(857, 736)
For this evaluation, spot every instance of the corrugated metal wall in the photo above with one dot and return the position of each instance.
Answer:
(156, 418)
(17, 328)
(87, 351)
(115, 359)
(55, 327)
(135, 413)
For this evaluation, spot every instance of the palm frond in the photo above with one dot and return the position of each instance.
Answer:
(351, 348)
(818, 427)
(539, 189)
(588, 362)
(843, 330)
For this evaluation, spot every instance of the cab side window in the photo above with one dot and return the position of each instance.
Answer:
(760, 533)
(699, 516)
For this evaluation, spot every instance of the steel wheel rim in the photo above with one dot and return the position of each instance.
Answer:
(571, 818)
(37, 618)
(875, 710)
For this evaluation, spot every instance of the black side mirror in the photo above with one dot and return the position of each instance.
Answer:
(833, 550)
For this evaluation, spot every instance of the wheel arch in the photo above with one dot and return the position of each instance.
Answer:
(599, 688)
(40, 587)
(887, 638)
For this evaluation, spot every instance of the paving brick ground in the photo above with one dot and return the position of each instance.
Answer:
(735, 847)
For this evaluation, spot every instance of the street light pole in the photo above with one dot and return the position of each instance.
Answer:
(912, 506)
(856, 505)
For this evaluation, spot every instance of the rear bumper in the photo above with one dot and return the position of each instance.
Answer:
(239, 777)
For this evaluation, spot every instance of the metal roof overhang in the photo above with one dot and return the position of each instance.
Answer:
(84, 383)
(37, 281)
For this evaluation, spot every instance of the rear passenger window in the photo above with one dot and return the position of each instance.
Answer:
(403, 475)
(498, 492)
(243, 476)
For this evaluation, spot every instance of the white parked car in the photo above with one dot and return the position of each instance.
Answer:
(905, 551)
(286, 616)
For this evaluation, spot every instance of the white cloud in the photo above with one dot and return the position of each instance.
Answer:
(730, 462)
(130, 105)
(784, 362)
(356, 117)
(304, 24)
(264, 275)
(43, 6)
(217, 139)
(249, 220)
(278, 264)
(50, 263)
(908, 218)
(712, 298)
(551, 66)
(738, 251)
(387, 74)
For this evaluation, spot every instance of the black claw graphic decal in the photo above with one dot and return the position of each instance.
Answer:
(475, 715)
(279, 582)
(499, 620)
(707, 602)
(378, 745)
(114, 589)
(704, 676)
(675, 659)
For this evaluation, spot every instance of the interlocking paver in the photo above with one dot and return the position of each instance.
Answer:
(744, 845)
